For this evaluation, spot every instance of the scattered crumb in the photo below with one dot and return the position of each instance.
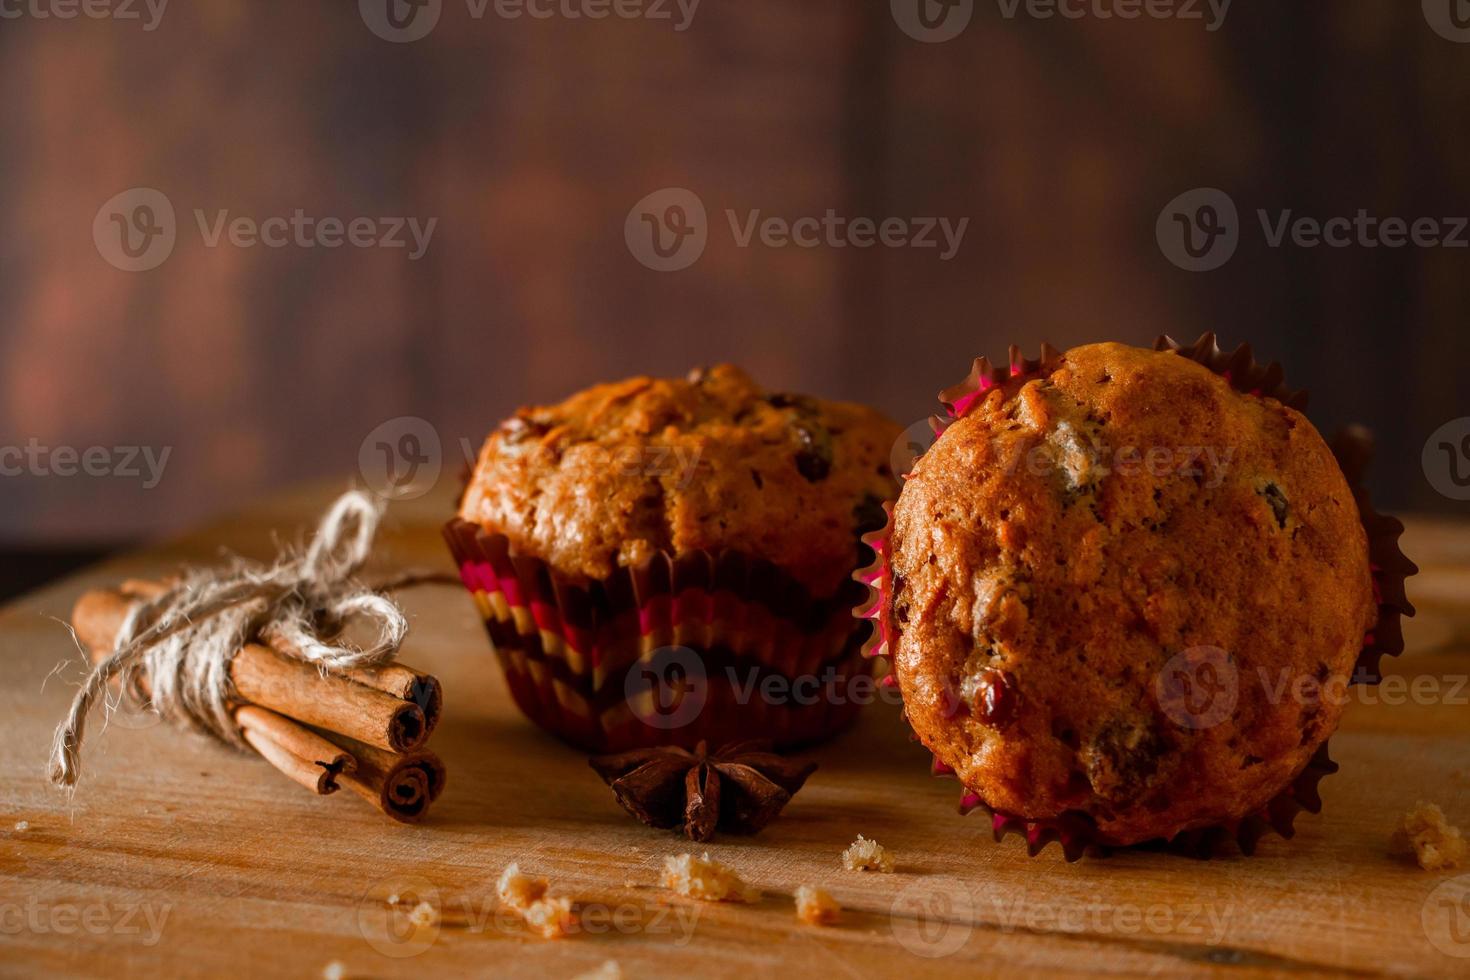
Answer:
(867, 855)
(424, 915)
(22, 825)
(1436, 845)
(607, 971)
(815, 907)
(517, 890)
(706, 880)
(334, 970)
(549, 918)
(394, 899)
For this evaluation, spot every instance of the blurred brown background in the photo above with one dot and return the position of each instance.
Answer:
(530, 139)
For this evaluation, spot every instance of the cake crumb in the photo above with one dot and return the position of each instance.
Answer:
(1436, 845)
(706, 880)
(867, 855)
(815, 907)
(609, 970)
(518, 890)
(424, 915)
(334, 970)
(394, 899)
(549, 918)
(22, 825)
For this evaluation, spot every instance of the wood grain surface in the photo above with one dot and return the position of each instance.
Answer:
(176, 856)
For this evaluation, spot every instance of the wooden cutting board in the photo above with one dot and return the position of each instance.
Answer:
(177, 856)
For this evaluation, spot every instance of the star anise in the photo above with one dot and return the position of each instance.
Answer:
(738, 789)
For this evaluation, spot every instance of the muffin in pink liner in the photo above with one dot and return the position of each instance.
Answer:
(1057, 618)
(665, 562)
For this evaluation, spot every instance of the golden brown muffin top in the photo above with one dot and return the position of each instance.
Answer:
(621, 471)
(1068, 555)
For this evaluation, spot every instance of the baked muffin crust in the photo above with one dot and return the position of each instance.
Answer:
(621, 471)
(1128, 590)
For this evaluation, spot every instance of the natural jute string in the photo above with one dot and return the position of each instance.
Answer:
(182, 642)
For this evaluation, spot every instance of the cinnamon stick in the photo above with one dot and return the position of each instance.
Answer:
(368, 713)
(403, 681)
(398, 679)
(358, 717)
(402, 786)
(295, 751)
(299, 753)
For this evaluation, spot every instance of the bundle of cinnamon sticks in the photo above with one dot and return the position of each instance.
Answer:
(364, 729)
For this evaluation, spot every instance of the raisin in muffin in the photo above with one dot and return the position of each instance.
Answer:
(1125, 592)
(705, 516)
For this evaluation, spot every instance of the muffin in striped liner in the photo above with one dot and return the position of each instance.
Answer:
(669, 561)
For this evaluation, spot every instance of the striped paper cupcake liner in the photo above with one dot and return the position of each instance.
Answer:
(703, 646)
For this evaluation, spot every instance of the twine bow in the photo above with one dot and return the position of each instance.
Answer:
(182, 641)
